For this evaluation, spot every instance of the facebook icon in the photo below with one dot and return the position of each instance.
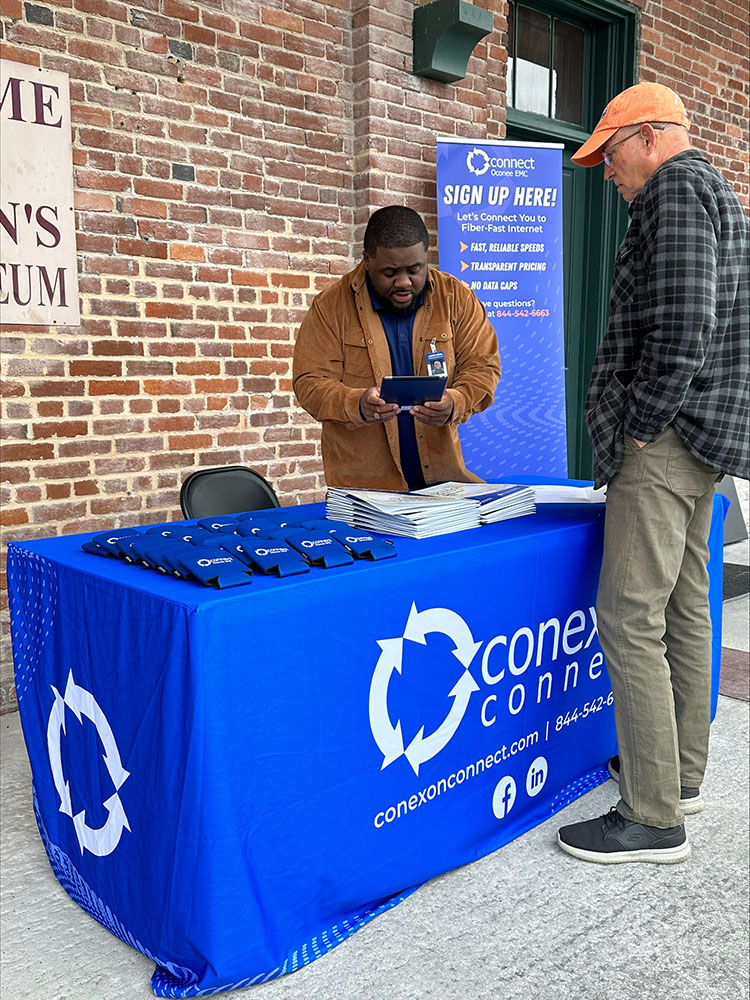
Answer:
(504, 797)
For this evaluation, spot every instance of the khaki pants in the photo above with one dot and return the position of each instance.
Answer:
(654, 623)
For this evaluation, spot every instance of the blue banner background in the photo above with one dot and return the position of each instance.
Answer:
(499, 209)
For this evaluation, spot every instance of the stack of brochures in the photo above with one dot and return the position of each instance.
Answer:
(496, 501)
(410, 515)
(436, 510)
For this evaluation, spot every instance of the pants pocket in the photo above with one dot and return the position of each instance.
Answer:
(686, 474)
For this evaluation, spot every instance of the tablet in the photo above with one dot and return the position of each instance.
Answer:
(411, 390)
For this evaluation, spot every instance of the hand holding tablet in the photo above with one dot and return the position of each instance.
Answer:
(422, 395)
(412, 390)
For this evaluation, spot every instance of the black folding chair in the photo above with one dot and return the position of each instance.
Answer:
(228, 489)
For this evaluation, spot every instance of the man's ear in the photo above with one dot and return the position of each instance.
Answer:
(648, 133)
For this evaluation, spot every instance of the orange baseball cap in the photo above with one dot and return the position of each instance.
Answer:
(645, 102)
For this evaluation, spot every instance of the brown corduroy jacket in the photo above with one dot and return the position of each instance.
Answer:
(342, 350)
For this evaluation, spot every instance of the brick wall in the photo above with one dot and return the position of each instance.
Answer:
(213, 194)
(227, 155)
(702, 51)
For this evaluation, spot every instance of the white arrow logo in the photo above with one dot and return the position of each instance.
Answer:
(389, 737)
(421, 749)
(102, 840)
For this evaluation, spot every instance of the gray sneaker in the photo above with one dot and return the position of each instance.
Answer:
(611, 839)
(691, 800)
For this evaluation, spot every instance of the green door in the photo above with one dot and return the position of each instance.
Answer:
(574, 240)
(565, 61)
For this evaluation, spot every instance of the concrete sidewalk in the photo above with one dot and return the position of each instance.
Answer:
(526, 923)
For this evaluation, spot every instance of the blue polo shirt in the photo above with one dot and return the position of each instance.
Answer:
(399, 327)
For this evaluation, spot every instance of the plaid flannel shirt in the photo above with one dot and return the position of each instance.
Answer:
(676, 350)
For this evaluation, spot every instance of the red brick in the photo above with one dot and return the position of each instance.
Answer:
(57, 388)
(144, 369)
(158, 189)
(14, 473)
(249, 278)
(36, 37)
(113, 387)
(149, 207)
(83, 448)
(94, 52)
(192, 442)
(139, 248)
(222, 22)
(91, 115)
(162, 424)
(182, 11)
(120, 505)
(11, 9)
(122, 425)
(170, 387)
(280, 19)
(198, 368)
(60, 428)
(18, 54)
(199, 35)
(92, 244)
(169, 310)
(86, 201)
(10, 516)
(291, 280)
(85, 488)
(215, 385)
(187, 251)
(117, 347)
(98, 369)
(57, 491)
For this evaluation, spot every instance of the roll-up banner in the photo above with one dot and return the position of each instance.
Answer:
(499, 209)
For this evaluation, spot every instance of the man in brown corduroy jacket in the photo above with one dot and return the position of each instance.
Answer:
(384, 318)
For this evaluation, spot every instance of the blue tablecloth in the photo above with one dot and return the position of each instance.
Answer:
(235, 781)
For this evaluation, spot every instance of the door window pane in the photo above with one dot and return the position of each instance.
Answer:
(567, 81)
(538, 82)
(532, 61)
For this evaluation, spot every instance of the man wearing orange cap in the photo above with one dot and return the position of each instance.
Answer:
(668, 411)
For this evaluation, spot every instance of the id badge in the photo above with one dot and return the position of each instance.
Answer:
(436, 363)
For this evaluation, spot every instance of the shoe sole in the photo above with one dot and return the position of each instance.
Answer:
(688, 806)
(657, 856)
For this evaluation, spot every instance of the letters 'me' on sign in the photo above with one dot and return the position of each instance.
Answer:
(38, 273)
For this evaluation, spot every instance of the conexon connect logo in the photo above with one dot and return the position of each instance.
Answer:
(477, 161)
(387, 735)
(100, 841)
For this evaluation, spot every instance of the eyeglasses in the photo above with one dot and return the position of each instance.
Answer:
(607, 157)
